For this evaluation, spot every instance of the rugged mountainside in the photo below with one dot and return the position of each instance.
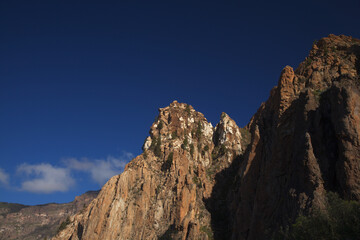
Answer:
(38, 222)
(305, 141)
(194, 181)
(163, 193)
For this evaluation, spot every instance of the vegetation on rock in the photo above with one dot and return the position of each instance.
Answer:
(302, 140)
(339, 220)
(64, 224)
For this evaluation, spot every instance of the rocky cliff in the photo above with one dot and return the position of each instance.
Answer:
(305, 141)
(38, 222)
(165, 192)
(196, 181)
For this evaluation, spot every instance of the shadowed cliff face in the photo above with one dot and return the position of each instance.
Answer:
(194, 181)
(166, 192)
(305, 141)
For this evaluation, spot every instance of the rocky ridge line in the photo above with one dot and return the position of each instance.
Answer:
(194, 181)
(38, 222)
(305, 141)
(166, 192)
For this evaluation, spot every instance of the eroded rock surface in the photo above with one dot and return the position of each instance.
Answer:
(305, 141)
(164, 193)
(38, 222)
(194, 181)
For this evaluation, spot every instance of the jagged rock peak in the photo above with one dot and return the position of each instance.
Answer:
(180, 121)
(190, 183)
(177, 122)
(227, 133)
(333, 58)
(305, 141)
(164, 193)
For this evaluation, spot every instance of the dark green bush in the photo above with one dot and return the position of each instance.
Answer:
(168, 163)
(208, 231)
(187, 109)
(197, 181)
(185, 143)
(191, 149)
(174, 135)
(245, 137)
(64, 224)
(222, 150)
(156, 146)
(218, 151)
(198, 131)
(340, 220)
(160, 125)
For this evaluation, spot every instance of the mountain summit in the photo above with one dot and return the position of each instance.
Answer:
(196, 181)
(164, 192)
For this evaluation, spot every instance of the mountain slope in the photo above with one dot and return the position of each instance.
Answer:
(305, 141)
(161, 193)
(194, 181)
(38, 222)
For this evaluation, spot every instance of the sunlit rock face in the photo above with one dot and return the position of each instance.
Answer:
(38, 222)
(196, 181)
(168, 191)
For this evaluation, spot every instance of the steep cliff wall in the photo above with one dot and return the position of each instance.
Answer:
(194, 181)
(166, 192)
(305, 141)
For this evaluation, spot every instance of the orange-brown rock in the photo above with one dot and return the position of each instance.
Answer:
(305, 141)
(165, 192)
(194, 181)
(38, 222)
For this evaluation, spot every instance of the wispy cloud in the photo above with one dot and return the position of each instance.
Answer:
(45, 178)
(4, 177)
(100, 169)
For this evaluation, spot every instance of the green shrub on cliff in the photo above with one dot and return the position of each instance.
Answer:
(340, 220)
(167, 164)
(156, 146)
(64, 224)
(185, 143)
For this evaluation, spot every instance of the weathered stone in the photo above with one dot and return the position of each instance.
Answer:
(38, 222)
(308, 147)
(162, 192)
(194, 181)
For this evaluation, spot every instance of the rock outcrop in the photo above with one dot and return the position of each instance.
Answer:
(163, 193)
(38, 222)
(194, 181)
(305, 141)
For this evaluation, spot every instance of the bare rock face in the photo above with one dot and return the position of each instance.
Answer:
(194, 181)
(166, 192)
(305, 141)
(38, 222)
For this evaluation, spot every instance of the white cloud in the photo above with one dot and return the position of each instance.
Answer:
(101, 169)
(45, 178)
(4, 177)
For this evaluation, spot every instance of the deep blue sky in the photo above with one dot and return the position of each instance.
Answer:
(80, 83)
